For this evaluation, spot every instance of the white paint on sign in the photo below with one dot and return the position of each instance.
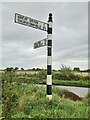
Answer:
(30, 22)
(40, 43)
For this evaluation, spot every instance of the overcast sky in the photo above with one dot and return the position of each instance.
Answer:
(70, 35)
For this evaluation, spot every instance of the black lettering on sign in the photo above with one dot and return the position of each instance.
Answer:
(20, 20)
(44, 28)
(30, 20)
(39, 26)
(20, 16)
(26, 18)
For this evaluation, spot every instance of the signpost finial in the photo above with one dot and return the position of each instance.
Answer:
(50, 17)
(50, 14)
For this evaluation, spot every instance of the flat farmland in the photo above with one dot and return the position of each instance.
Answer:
(78, 79)
(22, 72)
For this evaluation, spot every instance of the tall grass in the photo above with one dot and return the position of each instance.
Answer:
(29, 101)
(34, 104)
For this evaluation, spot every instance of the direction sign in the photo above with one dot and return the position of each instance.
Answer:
(40, 43)
(30, 22)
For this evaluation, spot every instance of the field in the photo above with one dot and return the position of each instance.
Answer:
(29, 100)
(80, 79)
(59, 77)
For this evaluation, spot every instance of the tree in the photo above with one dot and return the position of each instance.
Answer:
(9, 69)
(88, 70)
(22, 68)
(76, 69)
(16, 68)
(33, 69)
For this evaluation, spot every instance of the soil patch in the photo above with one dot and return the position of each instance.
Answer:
(71, 96)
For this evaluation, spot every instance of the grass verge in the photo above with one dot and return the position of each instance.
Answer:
(32, 103)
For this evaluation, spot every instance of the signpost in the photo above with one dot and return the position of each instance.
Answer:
(30, 22)
(47, 41)
(41, 43)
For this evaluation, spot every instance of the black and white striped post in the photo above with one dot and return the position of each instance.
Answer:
(49, 58)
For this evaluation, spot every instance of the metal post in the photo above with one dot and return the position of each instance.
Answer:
(49, 58)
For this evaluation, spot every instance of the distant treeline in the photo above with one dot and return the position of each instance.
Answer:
(40, 69)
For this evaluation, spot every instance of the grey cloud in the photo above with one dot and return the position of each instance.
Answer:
(70, 34)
